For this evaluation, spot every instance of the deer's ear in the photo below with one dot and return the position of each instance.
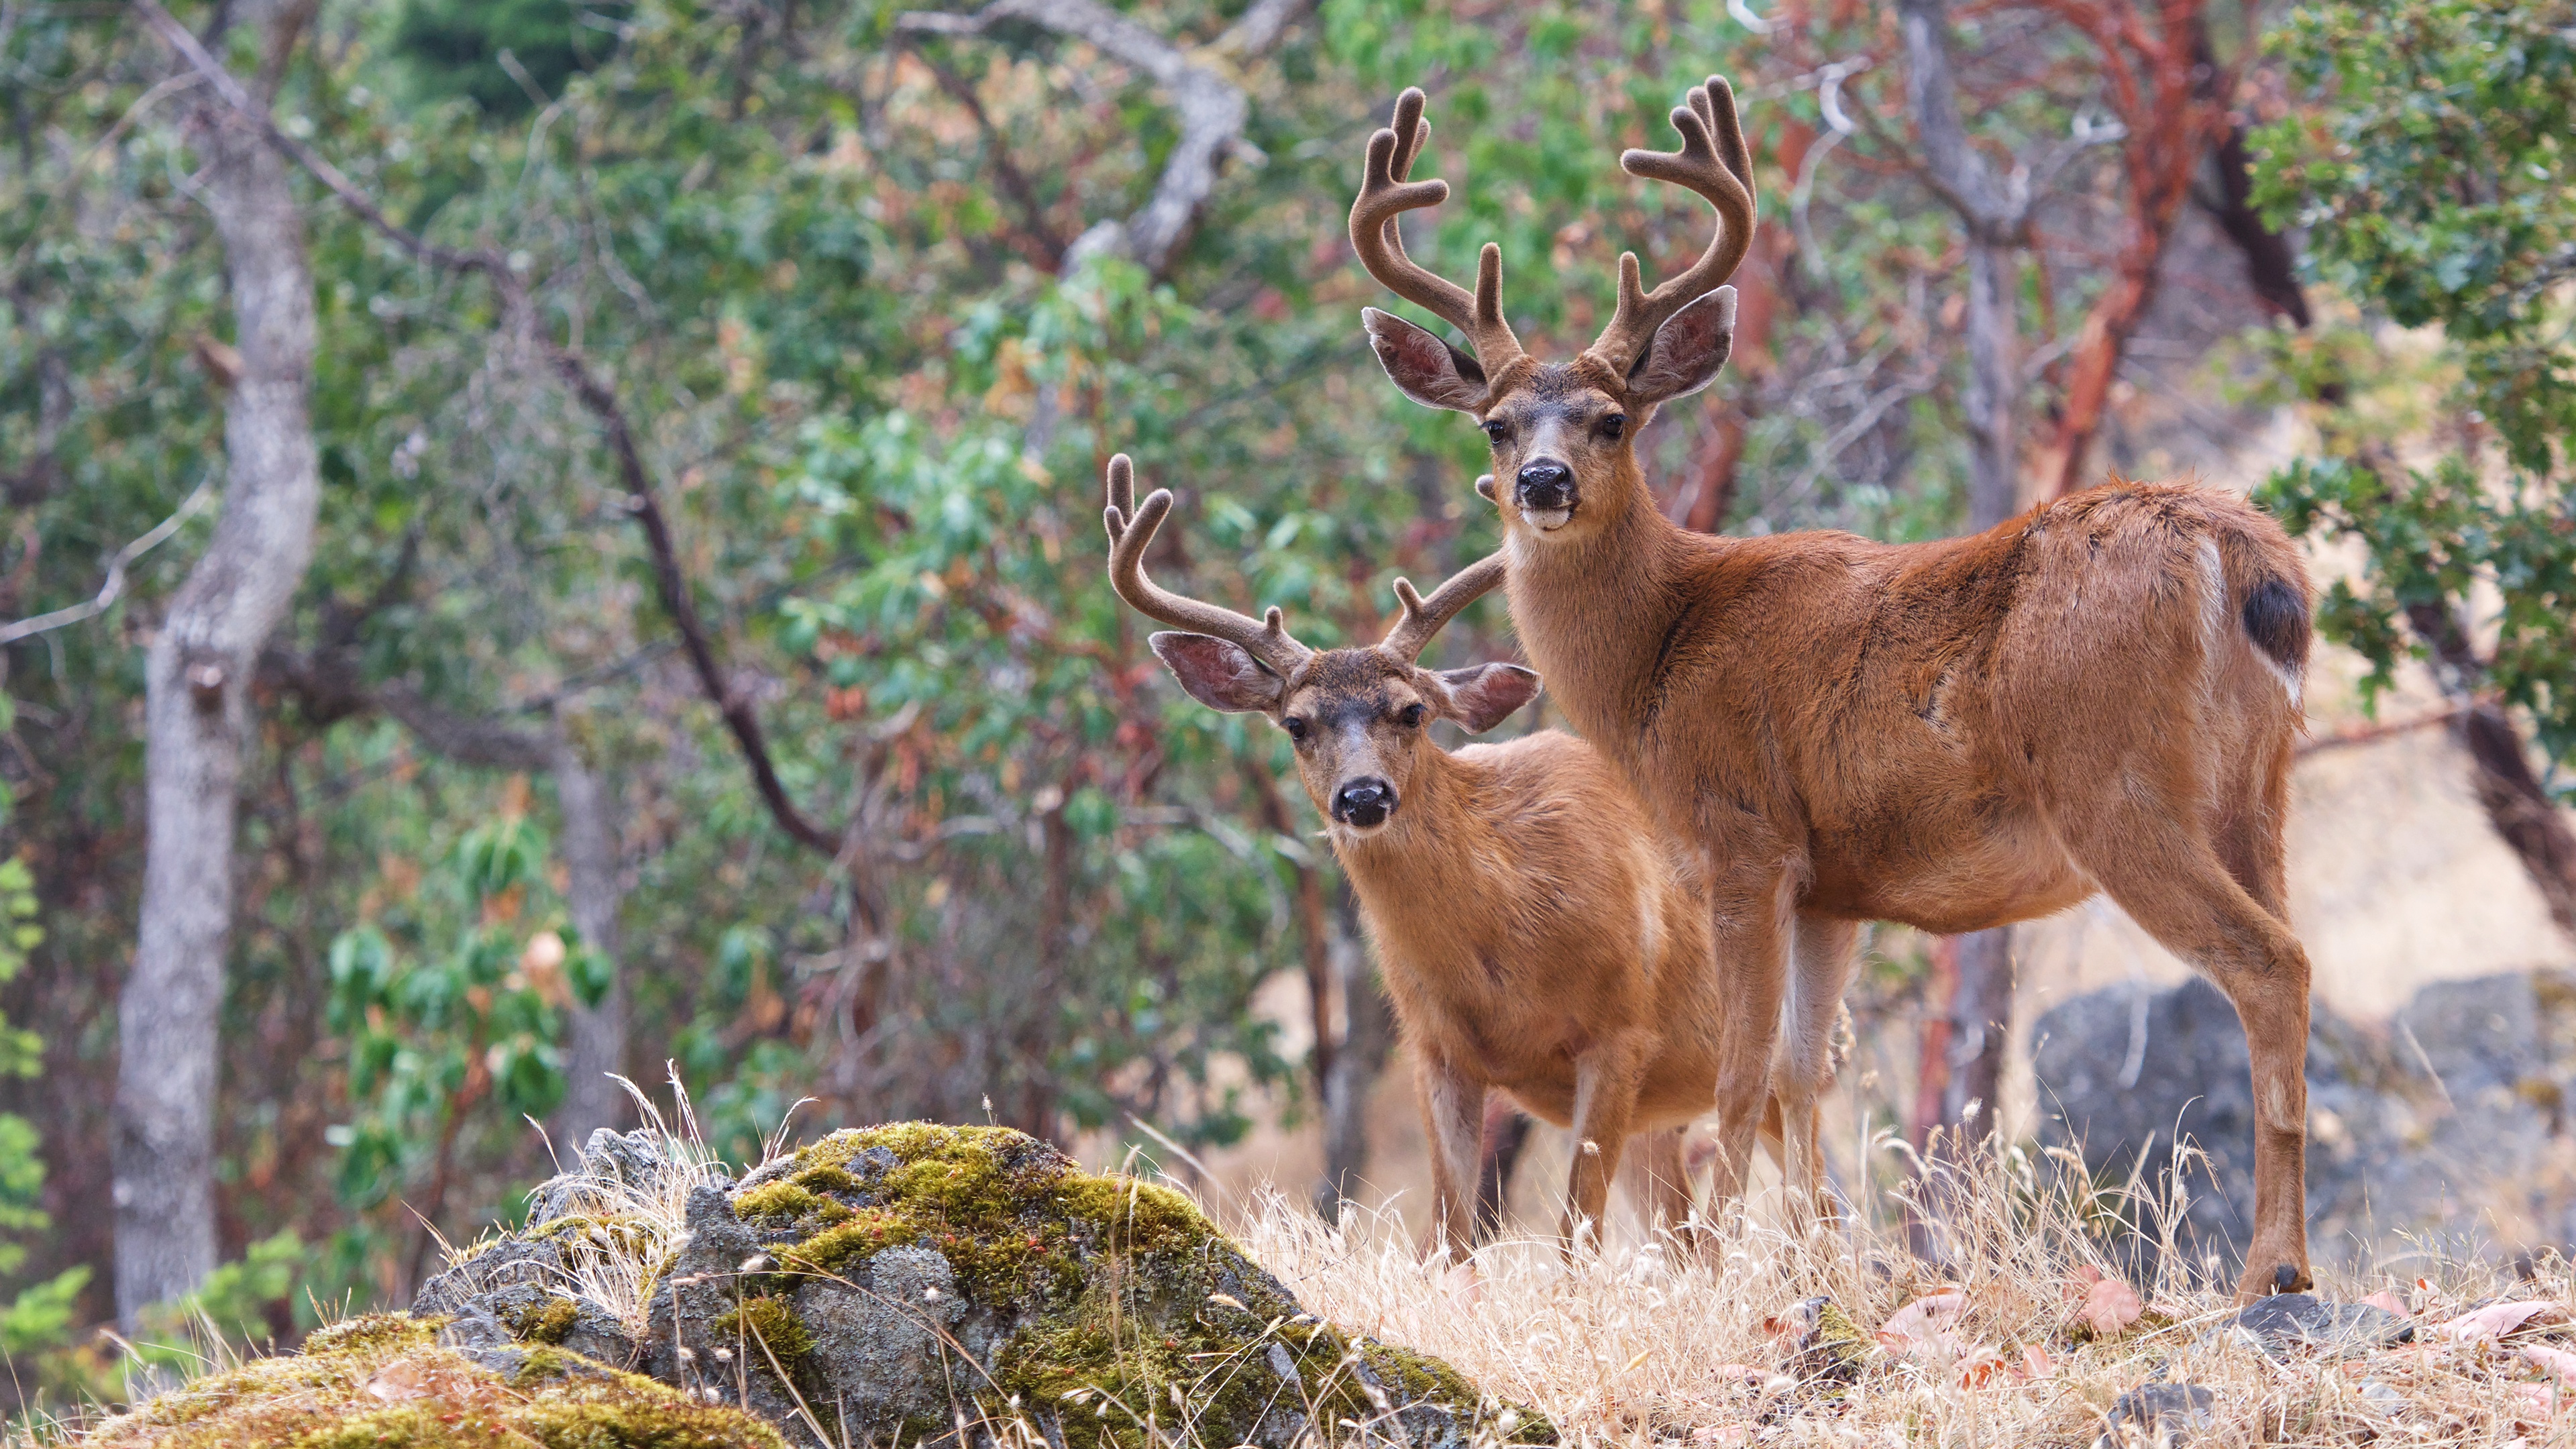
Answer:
(1430, 371)
(1484, 695)
(1687, 351)
(1218, 674)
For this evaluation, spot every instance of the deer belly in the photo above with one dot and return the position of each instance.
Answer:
(1990, 866)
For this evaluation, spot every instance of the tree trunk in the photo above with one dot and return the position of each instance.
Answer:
(1972, 1055)
(196, 719)
(595, 1044)
(2518, 806)
(1368, 1033)
(1981, 1010)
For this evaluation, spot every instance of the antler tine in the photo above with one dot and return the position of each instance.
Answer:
(1714, 163)
(1131, 528)
(1422, 618)
(1386, 193)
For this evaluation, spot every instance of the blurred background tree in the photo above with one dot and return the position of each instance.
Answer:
(2436, 177)
(705, 656)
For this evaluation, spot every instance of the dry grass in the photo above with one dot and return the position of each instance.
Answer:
(1654, 1343)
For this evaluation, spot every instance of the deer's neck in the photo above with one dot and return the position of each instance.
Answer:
(1595, 614)
(1440, 848)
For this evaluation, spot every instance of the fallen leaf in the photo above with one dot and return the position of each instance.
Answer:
(2537, 1401)
(1464, 1286)
(2496, 1320)
(1982, 1369)
(400, 1382)
(1923, 1326)
(2556, 1360)
(2110, 1306)
(2390, 1301)
(2035, 1362)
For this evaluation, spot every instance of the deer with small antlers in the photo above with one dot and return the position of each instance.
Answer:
(1534, 934)
(2100, 695)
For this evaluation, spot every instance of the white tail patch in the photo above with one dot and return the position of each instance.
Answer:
(2217, 623)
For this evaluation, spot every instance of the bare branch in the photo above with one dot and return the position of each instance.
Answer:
(1952, 166)
(1015, 182)
(1212, 107)
(117, 564)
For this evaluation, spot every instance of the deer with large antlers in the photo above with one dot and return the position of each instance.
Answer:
(1534, 934)
(2099, 695)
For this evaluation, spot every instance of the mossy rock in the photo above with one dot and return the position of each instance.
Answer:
(384, 1382)
(901, 1280)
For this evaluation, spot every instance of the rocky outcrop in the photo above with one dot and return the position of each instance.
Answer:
(2450, 1122)
(909, 1282)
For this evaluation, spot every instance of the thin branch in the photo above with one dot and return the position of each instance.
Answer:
(1015, 182)
(739, 717)
(117, 564)
(2343, 739)
(179, 39)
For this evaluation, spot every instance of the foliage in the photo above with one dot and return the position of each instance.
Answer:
(472, 1010)
(2434, 172)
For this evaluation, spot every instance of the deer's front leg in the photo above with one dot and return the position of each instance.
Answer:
(1607, 1077)
(1750, 914)
(1453, 1118)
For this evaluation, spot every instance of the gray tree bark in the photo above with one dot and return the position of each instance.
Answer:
(197, 717)
(595, 1043)
(1994, 213)
(1368, 1034)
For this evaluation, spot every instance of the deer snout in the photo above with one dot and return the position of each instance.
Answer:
(1544, 492)
(1364, 802)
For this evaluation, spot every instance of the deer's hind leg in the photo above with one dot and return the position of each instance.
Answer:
(2165, 871)
(1657, 1180)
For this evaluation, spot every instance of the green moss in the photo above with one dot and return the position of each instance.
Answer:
(333, 1396)
(772, 1322)
(1004, 1210)
(547, 1322)
(785, 1202)
(1132, 1290)
(372, 1332)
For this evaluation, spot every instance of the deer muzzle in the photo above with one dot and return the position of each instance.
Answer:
(1364, 803)
(1544, 493)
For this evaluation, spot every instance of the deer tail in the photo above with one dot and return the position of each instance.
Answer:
(2268, 587)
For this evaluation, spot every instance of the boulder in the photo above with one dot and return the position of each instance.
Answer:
(2449, 1122)
(913, 1282)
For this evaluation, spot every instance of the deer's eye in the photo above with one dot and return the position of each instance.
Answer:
(1295, 727)
(1410, 716)
(1497, 430)
(1613, 425)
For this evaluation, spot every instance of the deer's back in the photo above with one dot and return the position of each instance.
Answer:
(1913, 719)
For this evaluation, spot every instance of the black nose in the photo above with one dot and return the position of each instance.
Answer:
(1546, 483)
(1364, 802)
